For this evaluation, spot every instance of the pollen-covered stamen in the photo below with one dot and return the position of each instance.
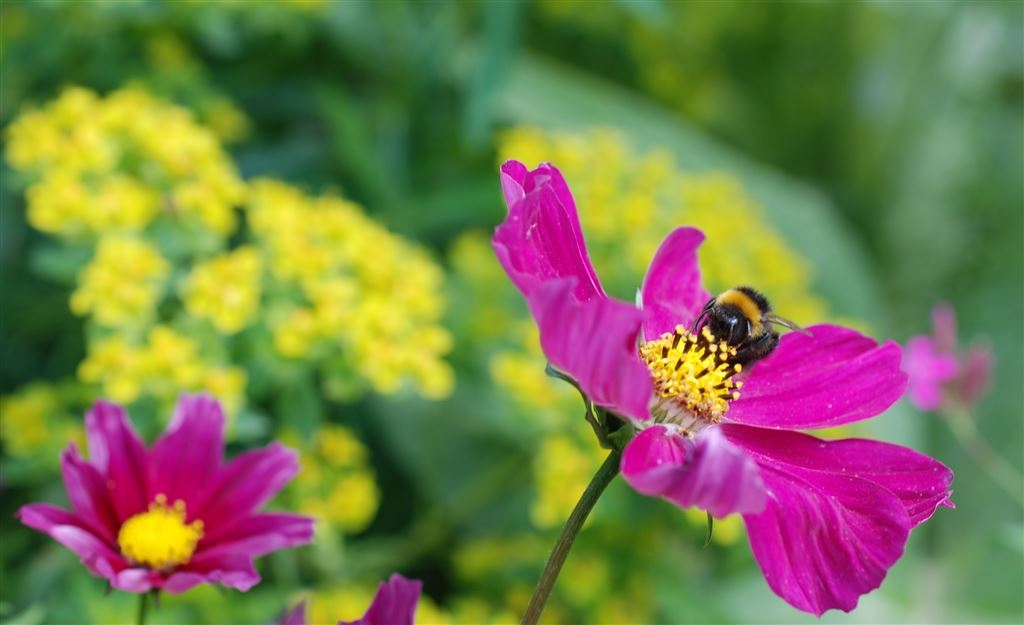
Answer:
(692, 376)
(159, 538)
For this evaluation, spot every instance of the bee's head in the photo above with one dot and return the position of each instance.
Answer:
(728, 323)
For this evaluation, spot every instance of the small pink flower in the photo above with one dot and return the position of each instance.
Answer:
(825, 519)
(937, 373)
(394, 604)
(171, 516)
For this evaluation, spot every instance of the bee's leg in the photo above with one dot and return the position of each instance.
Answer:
(756, 349)
(703, 313)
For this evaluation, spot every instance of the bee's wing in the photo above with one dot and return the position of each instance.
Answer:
(786, 323)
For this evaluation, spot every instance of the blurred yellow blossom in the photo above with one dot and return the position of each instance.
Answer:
(517, 372)
(122, 284)
(172, 361)
(587, 578)
(337, 484)
(227, 384)
(35, 423)
(370, 296)
(163, 365)
(117, 163)
(226, 289)
(339, 603)
(117, 366)
(295, 334)
(562, 469)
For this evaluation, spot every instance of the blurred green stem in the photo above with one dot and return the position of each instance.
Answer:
(143, 604)
(962, 424)
(604, 476)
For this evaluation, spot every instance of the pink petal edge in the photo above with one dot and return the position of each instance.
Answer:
(708, 473)
(828, 535)
(120, 457)
(541, 239)
(672, 293)
(922, 483)
(595, 343)
(832, 377)
(189, 451)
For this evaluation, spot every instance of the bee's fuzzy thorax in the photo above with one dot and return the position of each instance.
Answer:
(751, 304)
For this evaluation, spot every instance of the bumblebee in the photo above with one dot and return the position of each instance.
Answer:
(743, 318)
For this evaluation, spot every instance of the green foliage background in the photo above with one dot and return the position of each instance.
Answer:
(885, 142)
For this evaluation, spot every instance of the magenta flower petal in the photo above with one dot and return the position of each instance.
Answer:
(87, 492)
(832, 377)
(118, 454)
(245, 483)
(838, 514)
(825, 537)
(189, 451)
(513, 177)
(672, 292)
(921, 483)
(709, 472)
(394, 604)
(259, 534)
(595, 343)
(67, 529)
(231, 570)
(541, 239)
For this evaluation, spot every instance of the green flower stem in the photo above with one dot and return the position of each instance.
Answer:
(604, 476)
(963, 426)
(143, 604)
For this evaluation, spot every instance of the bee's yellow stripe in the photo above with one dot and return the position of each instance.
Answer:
(747, 306)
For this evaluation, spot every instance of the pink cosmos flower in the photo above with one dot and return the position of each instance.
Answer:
(171, 516)
(938, 373)
(825, 519)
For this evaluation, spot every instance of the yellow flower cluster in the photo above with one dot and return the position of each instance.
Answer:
(337, 484)
(166, 364)
(226, 289)
(371, 299)
(35, 421)
(122, 284)
(114, 164)
(563, 467)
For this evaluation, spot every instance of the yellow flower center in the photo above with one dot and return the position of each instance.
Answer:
(692, 376)
(159, 537)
